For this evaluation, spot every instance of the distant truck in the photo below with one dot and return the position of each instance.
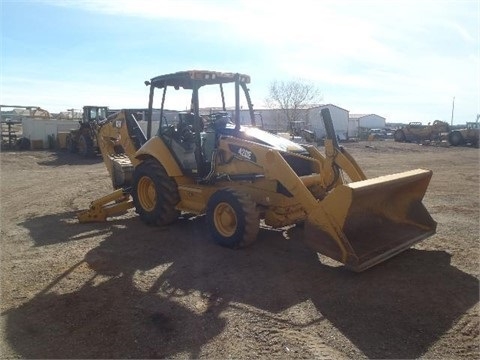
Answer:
(417, 132)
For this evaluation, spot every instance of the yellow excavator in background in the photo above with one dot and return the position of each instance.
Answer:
(207, 162)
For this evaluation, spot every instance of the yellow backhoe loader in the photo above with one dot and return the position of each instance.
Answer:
(207, 162)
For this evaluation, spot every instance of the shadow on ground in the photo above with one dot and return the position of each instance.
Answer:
(62, 228)
(397, 309)
(63, 157)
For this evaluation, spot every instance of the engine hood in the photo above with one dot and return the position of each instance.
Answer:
(266, 138)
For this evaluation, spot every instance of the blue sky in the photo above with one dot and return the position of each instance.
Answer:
(404, 60)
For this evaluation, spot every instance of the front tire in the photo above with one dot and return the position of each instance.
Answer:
(232, 218)
(71, 147)
(154, 194)
(475, 143)
(85, 146)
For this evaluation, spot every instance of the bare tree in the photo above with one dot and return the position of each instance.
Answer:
(293, 98)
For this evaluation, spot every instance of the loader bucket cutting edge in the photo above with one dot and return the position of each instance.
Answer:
(364, 223)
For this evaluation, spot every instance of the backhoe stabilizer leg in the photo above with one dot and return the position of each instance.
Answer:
(116, 203)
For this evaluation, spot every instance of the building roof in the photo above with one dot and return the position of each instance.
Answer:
(358, 116)
(325, 105)
(307, 108)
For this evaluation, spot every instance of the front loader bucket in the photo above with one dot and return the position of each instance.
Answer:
(366, 222)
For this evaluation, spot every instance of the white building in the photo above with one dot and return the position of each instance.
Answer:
(268, 119)
(370, 121)
(339, 119)
(43, 133)
(275, 120)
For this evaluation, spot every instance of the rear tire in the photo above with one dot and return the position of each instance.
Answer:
(23, 143)
(455, 138)
(154, 194)
(399, 136)
(232, 218)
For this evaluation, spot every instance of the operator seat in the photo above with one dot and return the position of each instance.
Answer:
(185, 130)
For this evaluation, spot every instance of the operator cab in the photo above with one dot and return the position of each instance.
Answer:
(192, 134)
(94, 113)
(180, 137)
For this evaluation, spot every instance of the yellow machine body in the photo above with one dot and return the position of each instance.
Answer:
(360, 223)
(354, 220)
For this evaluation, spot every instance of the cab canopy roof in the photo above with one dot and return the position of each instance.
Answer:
(186, 79)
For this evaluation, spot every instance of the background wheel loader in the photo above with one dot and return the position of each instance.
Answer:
(207, 162)
(469, 135)
(84, 139)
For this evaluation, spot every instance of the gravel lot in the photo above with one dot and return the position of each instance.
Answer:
(121, 289)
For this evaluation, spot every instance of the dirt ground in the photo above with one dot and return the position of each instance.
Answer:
(121, 289)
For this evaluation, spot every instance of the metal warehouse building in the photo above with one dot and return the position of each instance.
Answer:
(371, 121)
(339, 119)
(346, 125)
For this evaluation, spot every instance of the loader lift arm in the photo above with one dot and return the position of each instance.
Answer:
(398, 218)
(395, 219)
(336, 157)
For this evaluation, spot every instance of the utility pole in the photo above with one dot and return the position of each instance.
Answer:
(453, 107)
